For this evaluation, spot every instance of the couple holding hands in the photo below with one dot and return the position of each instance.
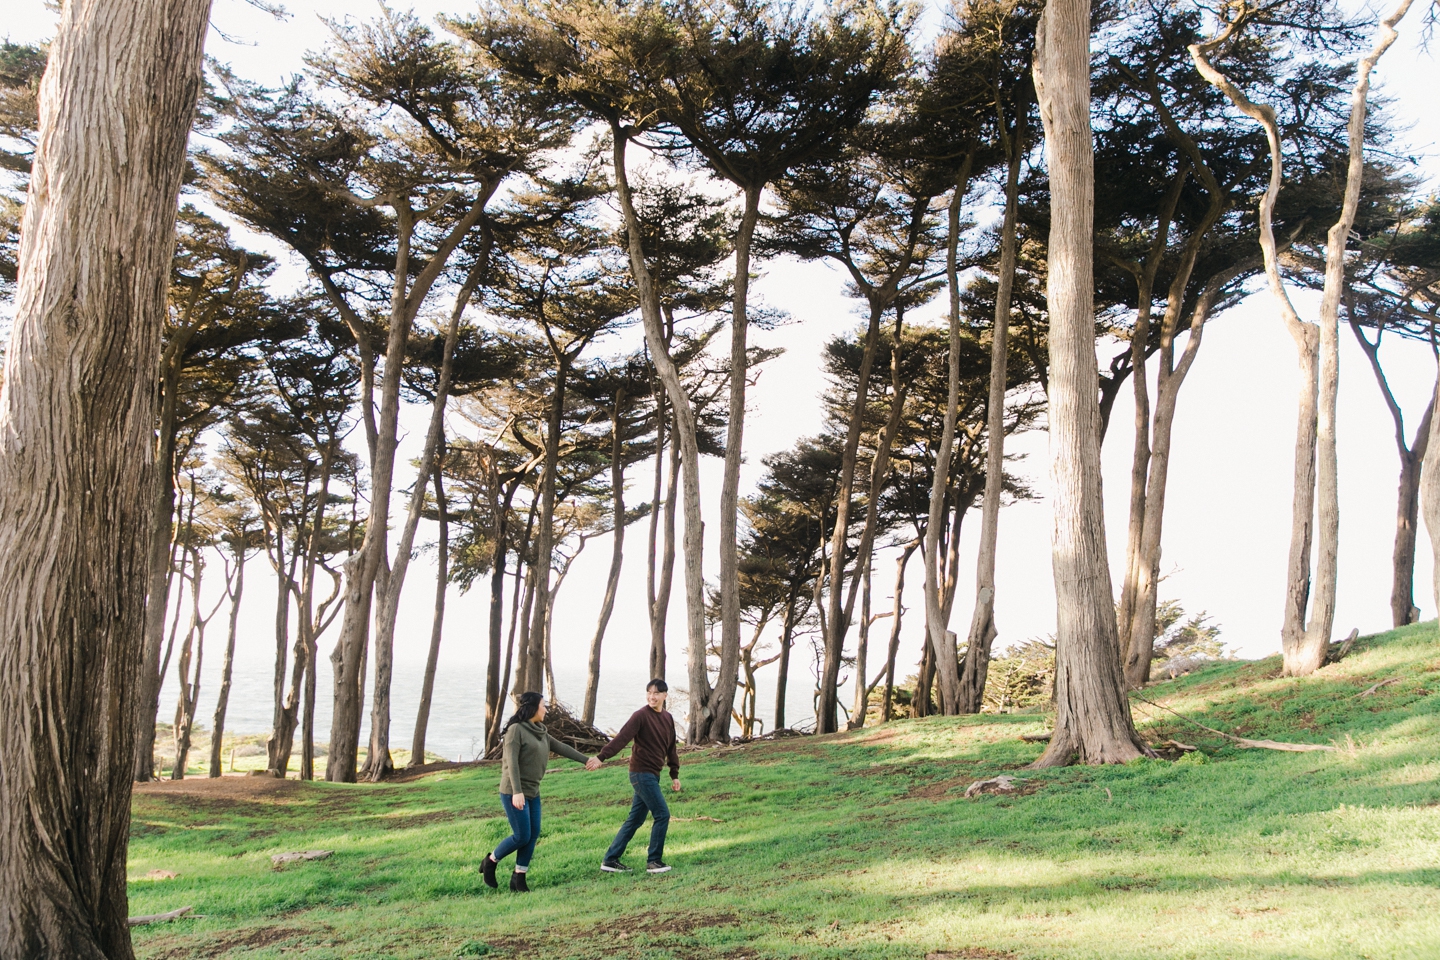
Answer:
(525, 752)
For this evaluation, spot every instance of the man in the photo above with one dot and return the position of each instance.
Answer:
(653, 731)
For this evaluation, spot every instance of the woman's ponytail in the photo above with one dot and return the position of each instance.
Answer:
(525, 707)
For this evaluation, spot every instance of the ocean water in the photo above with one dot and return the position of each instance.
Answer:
(457, 712)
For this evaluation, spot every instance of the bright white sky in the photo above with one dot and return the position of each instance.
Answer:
(1227, 521)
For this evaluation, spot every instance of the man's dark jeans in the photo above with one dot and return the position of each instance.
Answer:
(524, 830)
(648, 799)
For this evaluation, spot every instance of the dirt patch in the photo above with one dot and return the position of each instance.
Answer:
(513, 946)
(883, 735)
(671, 924)
(410, 774)
(939, 788)
(238, 940)
(221, 789)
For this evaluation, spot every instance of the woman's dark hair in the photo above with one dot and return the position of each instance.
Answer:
(658, 685)
(525, 707)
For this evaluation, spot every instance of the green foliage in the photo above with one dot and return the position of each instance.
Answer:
(862, 845)
(1022, 678)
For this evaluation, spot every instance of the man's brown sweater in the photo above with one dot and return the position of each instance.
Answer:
(654, 734)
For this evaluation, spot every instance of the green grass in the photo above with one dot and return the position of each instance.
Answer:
(862, 845)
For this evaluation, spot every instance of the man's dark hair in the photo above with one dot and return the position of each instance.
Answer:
(658, 685)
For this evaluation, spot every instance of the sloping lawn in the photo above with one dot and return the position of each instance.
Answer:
(862, 845)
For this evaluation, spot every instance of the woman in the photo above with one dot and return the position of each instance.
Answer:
(525, 751)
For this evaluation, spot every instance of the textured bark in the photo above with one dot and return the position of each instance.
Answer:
(701, 721)
(437, 623)
(77, 419)
(234, 589)
(617, 555)
(1092, 722)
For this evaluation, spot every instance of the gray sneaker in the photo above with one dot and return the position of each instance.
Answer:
(657, 866)
(614, 866)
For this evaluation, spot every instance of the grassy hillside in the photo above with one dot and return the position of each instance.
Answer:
(862, 845)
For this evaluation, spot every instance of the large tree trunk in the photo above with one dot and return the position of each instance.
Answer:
(77, 420)
(724, 696)
(1092, 720)
(617, 554)
(702, 714)
(437, 623)
(222, 700)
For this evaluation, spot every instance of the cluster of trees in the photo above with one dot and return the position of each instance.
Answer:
(487, 208)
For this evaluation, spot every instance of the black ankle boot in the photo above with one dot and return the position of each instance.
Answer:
(487, 870)
(517, 883)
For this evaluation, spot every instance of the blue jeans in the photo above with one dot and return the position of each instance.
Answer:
(648, 799)
(524, 830)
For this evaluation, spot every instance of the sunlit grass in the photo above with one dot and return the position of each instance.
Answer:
(862, 845)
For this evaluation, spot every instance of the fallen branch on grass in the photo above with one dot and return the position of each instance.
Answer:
(1240, 741)
(280, 858)
(1337, 655)
(1037, 737)
(711, 819)
(162, 917)
(1374, 687)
